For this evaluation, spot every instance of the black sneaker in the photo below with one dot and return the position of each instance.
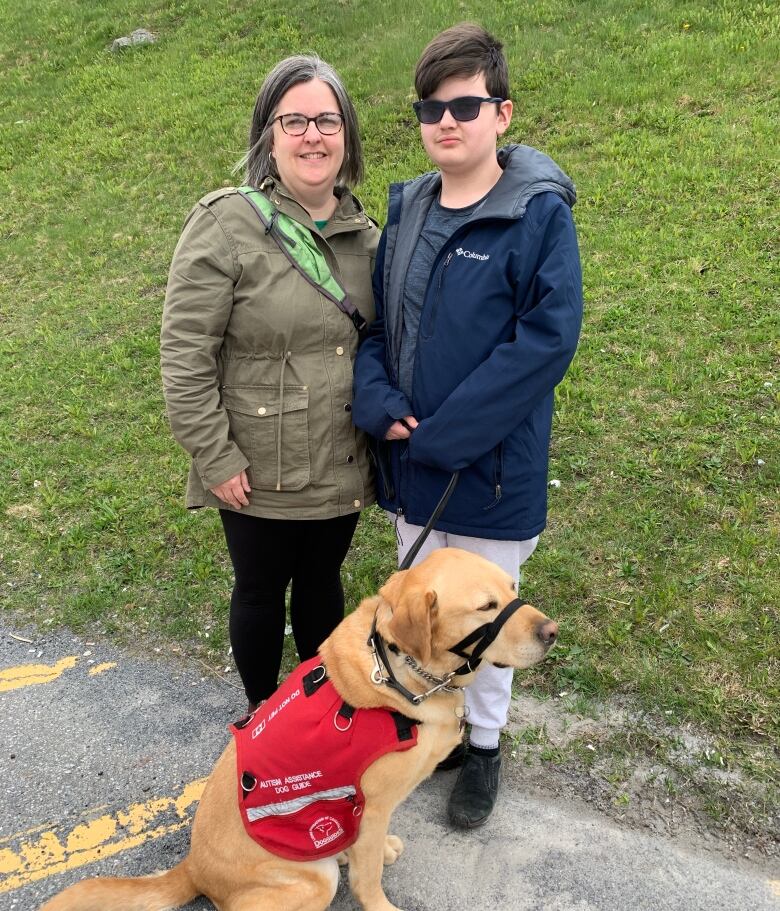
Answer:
(474, 795)
(452, 760)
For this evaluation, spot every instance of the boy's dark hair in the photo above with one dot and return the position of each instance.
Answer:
(463, 50)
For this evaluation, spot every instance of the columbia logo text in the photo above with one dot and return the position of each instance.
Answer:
(469, 254)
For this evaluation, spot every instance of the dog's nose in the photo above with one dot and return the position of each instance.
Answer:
(548, 632)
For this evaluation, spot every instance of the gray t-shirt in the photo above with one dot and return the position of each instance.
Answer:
(440, 225)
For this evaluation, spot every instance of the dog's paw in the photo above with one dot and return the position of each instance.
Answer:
(394, 848)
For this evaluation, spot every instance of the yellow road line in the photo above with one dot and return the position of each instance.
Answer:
(7, 838)
(774, 885)
(13, 678)
(17, 835)
(56, 851)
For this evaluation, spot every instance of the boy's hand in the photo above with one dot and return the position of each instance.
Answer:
(402, 429)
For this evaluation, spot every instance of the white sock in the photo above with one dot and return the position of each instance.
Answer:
(484, 738)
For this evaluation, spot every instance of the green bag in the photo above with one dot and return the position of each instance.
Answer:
(300, 248)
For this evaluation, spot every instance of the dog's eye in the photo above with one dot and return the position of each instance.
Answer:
(491, 605)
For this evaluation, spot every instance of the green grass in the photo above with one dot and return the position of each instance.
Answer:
(661, 557)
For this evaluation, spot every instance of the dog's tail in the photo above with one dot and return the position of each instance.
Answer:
(160, 892)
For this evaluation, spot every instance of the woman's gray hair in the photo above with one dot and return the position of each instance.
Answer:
(258, 161)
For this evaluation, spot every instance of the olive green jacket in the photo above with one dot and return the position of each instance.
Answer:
(257, 364)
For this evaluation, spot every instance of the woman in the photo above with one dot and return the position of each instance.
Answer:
(257, 369)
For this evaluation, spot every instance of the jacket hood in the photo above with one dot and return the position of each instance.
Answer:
(527, 172)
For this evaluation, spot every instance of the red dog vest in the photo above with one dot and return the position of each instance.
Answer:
(300, 760)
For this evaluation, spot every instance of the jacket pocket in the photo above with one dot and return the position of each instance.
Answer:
(498, 475)
(272, 431)
(428, 319)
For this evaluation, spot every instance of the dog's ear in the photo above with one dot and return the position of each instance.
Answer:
(411, 626)
(391, 590)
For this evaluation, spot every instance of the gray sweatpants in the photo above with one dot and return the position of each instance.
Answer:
(488, 697)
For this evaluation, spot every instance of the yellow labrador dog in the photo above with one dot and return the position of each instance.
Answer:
(394, 651)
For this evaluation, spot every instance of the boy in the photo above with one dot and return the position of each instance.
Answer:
(479, 304)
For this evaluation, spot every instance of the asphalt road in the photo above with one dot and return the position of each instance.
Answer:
(103, 754)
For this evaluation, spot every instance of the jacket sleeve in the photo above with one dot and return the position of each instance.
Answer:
(504, 389)
(376, 403)
(198, 304)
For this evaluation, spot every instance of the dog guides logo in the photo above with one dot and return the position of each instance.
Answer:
(325, 830)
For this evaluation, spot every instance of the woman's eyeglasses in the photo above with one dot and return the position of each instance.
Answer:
(328, 123)
(465, 108)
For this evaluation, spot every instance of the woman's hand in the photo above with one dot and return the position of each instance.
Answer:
(401, 430)
(233, 491)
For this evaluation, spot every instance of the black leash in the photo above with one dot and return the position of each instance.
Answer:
(415, 548)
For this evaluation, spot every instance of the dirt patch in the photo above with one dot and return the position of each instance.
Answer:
(676, 782)
(23, 511)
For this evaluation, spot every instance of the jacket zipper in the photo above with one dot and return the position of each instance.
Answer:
(384, 469)
(436, 299)
(498, 475)
(403, 483)
(395, 362)
(399, 514)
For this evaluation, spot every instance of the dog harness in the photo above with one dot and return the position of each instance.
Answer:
(300, 758)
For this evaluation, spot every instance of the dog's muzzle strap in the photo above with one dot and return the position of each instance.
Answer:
(483, 636)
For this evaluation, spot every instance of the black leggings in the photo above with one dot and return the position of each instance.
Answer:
(267, 555)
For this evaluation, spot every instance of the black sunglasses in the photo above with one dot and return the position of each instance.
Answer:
(465, 108)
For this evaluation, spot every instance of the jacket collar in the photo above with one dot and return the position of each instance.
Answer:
(527, 172)
(348, 216)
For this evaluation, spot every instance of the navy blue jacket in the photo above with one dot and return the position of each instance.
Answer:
(498, 329)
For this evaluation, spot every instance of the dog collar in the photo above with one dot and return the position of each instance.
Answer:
(383, 674)
(483, 636)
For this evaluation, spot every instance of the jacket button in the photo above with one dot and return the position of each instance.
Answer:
(261, 410)
(339, 350)
(356, 503)
(350, 459)
(347, 407)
